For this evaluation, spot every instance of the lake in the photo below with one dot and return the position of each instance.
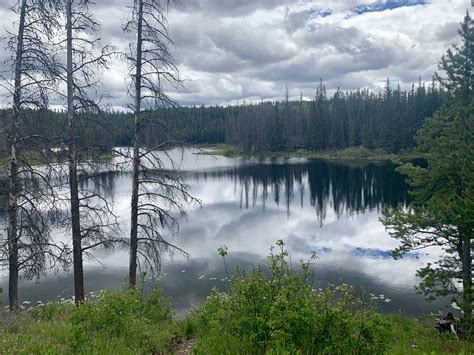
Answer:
(330, 208)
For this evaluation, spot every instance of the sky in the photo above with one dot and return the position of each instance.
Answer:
(231, 51)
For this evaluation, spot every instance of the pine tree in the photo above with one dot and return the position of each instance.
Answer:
(443, 211)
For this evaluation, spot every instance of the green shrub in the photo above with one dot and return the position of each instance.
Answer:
(50, 311)
(272, 309)
(123, 316)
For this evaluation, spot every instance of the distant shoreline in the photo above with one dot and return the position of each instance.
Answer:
(349, 154)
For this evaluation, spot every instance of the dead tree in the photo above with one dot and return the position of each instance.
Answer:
(159, 195)
(31, 197)
(92, 222)
(447, 323)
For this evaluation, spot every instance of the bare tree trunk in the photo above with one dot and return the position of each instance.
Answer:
(136, 152)
(13, 198)
(466, 258)
(73, 180)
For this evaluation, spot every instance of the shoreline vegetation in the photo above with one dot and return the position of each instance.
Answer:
(63, 328)
(270, 309)
(36, 158)
(354, 154)
(349, 154)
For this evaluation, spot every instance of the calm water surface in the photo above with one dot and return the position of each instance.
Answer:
(330, 208)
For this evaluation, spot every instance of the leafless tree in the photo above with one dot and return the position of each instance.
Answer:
(31, 198)
(92, 222)
(159, 195)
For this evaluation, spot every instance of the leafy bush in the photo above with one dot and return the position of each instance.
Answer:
(123, 316)
(50, 311)
(273, 309)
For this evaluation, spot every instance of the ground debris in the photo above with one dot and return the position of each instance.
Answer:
(447, 322)
(183, 345)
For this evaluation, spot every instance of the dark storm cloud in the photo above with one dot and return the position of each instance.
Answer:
(229, 51)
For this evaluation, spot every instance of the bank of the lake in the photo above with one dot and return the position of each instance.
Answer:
(122, 325)
(273, 308)
(36, 158)
(347, 155)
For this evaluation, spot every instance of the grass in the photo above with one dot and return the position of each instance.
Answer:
(349, 154)
(31, 334)
(412, 336)
(54, 332)
(119, 323)
(57, 337)
(35, 158)
(271, 309)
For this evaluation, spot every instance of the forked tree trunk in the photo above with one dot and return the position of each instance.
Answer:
(13, 266)
(136, 153)
(73, 180)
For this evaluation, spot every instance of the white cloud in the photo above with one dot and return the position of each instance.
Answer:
(232, 51)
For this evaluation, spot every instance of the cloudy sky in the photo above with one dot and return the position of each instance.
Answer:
(234, 50)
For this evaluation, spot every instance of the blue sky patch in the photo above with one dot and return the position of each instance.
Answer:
(387, 5)
(378, 253)
(322, 250)
(313, 13)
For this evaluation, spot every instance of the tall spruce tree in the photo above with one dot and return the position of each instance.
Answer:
(443, 211)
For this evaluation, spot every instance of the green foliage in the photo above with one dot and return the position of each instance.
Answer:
(443, 210)
(458, 63)
(348, 154)
(50, 312)
(122, 316)
(120, 322)
(414, 336)
(274, 309)
(137, 327)
(222, 251)
(346, 119)
(442, 214)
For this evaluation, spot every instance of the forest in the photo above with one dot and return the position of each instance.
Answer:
(387, 120)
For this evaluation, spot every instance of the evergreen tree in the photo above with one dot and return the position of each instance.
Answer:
(443, 212)
(458, 64)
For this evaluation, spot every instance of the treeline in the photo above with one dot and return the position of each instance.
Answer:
(386, 120)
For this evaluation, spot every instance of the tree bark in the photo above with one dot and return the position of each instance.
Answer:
(136, 152)
(13, 178)
(73, 179)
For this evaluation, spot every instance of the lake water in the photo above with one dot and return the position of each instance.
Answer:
(330, 208)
